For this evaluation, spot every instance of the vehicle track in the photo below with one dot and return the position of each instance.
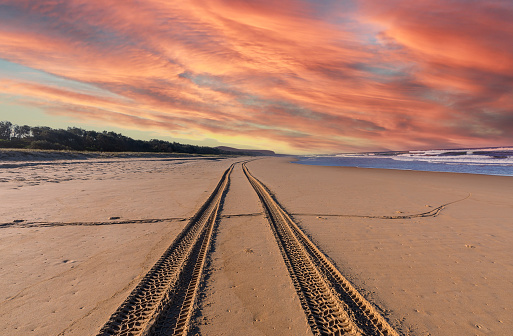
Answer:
(332, 305)
(163, 301)
(431, 213)
(27, 224)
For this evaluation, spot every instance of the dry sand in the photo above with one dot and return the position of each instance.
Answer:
(248, 290)
(69, 279)
(446, 275)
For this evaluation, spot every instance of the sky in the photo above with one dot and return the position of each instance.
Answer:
(293, 76)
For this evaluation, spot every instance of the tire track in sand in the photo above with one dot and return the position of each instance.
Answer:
(162, 302)
(332, 305)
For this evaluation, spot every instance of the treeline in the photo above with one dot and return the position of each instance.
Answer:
(73, 138)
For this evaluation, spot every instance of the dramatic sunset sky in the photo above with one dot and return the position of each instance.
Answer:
(294, 76)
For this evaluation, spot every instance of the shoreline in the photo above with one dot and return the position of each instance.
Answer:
(488, 169)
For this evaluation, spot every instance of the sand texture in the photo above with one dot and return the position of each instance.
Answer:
(446, 275)
(67, 267)
(247, 290)
(422, 253)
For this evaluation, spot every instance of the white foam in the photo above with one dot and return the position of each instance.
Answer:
(470, 157)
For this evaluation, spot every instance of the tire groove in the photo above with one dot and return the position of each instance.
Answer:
(150, 309)
(331, 304)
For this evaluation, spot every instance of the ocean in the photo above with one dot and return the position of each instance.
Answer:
(486, 161)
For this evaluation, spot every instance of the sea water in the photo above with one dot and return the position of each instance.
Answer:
(487, 161)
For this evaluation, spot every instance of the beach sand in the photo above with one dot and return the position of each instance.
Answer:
(69, 278)
(67, 267)
(248, 290)
(446, 275)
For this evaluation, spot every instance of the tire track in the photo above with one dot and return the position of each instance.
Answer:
(332, 305)
(162, 303)
(431, 213)
(24, 224)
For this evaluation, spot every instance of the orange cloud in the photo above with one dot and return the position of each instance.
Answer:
(304, 76)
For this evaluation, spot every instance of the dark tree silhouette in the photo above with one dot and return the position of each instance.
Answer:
(42, 137)
(5, 130)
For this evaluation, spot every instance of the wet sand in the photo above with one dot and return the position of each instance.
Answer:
(445, 275)
(450, 274)
(60, 277)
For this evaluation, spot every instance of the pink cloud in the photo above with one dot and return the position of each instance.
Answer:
(395, 74)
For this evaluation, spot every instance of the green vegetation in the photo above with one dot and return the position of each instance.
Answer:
(77, 139)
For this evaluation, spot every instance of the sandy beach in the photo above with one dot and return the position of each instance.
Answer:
(61, 277)
(429, 251)
(445, 275)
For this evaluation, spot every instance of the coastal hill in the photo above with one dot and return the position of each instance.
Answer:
(248, 151)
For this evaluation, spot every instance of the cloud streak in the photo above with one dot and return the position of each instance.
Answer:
(297, 76)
